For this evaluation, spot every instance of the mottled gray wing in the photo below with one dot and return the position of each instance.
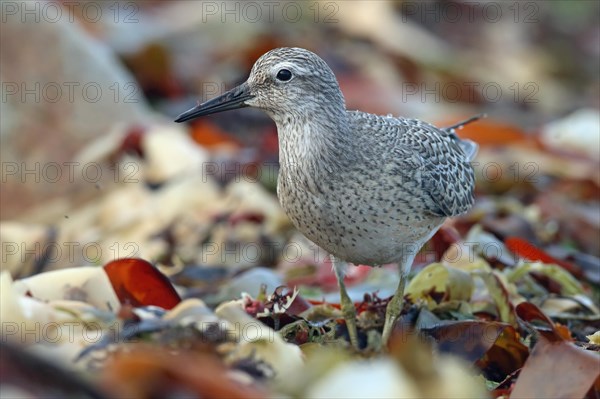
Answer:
(447, 176)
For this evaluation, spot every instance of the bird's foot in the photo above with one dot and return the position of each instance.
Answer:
(349, 313)
(392, 312)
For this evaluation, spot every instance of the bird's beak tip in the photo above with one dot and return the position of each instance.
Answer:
(186, 116)
(232, 99)
(179, 119)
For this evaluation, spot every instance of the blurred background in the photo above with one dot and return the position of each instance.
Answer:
(94, 168)
(90, 91)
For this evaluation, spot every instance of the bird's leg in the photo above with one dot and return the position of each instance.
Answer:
(393, 310)
(394, 306)
(346, 304)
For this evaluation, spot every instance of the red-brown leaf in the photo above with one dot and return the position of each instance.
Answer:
(210, 135)
(532, 316)
(138, 283)
(528, 251)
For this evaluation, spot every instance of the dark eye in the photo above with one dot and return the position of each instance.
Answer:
(284, 75)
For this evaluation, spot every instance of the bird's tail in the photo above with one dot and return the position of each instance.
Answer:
(459, 125)
(469, 147)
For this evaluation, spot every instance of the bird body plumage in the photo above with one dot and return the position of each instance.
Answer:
(371, 190)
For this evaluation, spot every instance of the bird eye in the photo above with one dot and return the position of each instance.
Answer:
(284, 75)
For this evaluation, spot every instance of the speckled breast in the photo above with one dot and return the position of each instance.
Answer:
(356, 220)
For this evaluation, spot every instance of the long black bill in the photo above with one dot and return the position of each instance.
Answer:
(233, 99)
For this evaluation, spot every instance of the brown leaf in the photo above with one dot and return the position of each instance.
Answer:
(532, 316)
(471, 340)
(131, 143)
(557, 370)
(443, 239)
(150, 372)
(506, 356)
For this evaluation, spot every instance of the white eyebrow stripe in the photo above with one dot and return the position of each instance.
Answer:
(294, 68)
(283, 65)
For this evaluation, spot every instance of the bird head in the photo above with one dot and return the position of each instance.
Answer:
(286, 83)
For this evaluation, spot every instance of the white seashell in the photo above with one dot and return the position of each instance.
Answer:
(89, 284)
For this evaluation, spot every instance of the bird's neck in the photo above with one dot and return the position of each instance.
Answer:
(314, 144)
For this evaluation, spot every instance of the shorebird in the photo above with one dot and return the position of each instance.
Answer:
(368, 189)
